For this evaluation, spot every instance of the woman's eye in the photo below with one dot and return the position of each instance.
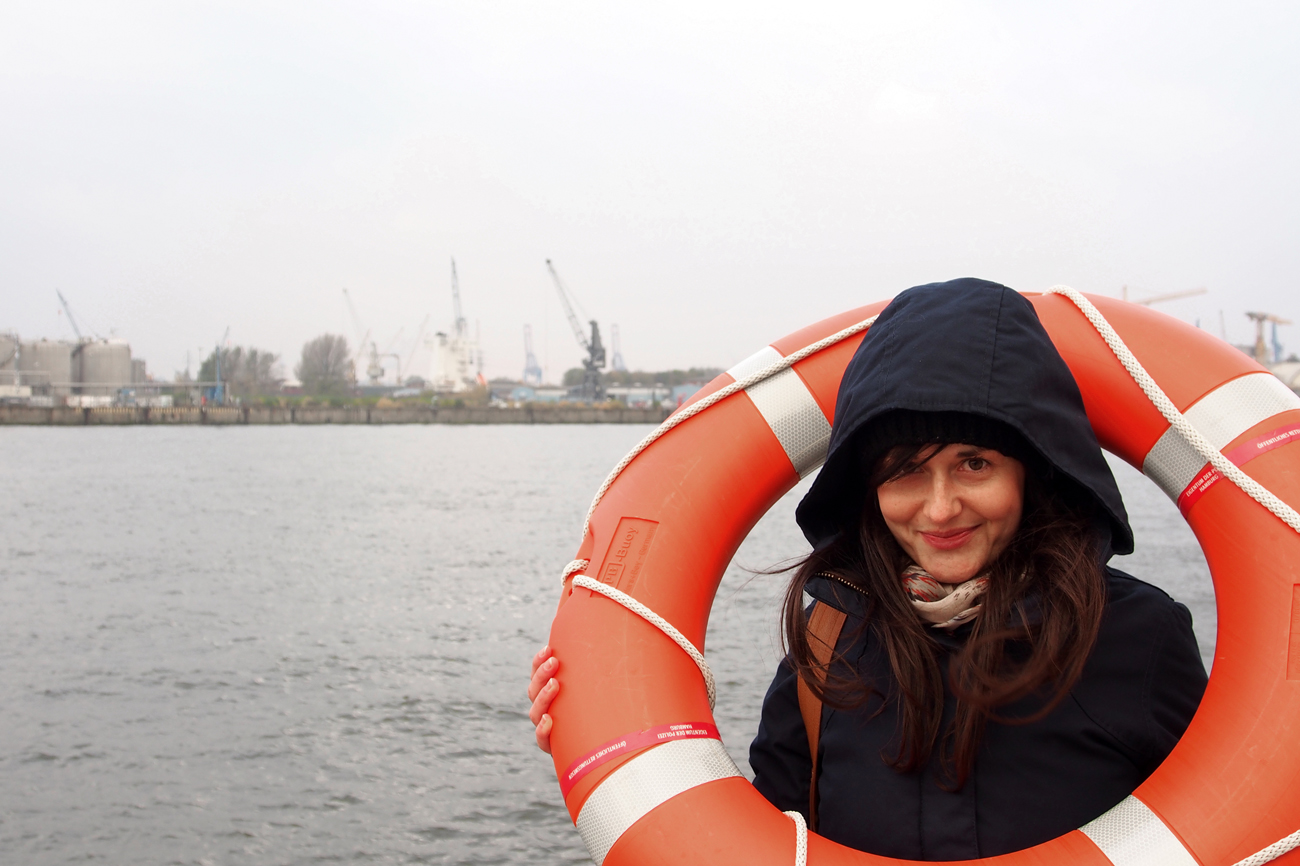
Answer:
(975, 464)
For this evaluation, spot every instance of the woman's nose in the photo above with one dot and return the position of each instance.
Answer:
(941, 504)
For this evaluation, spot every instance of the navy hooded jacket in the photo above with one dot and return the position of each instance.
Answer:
(977, 347)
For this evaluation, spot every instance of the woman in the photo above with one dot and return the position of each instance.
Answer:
(993, 684)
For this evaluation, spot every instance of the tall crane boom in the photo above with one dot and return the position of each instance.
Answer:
(362, 332)
(68, 311)
(593, 388)
(568, 309)
(462, 327)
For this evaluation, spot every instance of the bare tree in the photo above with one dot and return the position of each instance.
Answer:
(245, 372)
(326, 365)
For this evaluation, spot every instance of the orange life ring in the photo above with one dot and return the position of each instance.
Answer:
(643, 773)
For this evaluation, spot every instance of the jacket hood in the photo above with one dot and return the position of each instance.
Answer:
(968, 346)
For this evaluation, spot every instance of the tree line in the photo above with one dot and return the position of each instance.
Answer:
(325, 369)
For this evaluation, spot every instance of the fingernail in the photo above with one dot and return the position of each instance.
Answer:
(552, 684)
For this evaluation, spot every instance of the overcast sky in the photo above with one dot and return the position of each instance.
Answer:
(708, 176)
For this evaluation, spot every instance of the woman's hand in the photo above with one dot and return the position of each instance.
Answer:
(542, 689)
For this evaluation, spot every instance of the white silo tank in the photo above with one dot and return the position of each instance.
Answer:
(105, 367)
(47, 366)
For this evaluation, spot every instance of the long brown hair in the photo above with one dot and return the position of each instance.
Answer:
(1036, 627)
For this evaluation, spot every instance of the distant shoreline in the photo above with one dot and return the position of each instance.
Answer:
(68, 416)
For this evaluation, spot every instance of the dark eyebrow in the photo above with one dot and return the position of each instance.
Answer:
(972, 451)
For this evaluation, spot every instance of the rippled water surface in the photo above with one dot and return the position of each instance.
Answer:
(301, 645)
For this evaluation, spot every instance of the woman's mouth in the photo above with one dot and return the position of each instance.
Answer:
(948, 539)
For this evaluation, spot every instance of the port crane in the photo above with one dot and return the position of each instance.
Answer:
(462, 326)
(362, 334)
(592, 389)
(82, 339)
(457, 362)
(532, 370)
(475, 356)
(71, 321)
(1261, 348)
(616, 363)
(374, 369)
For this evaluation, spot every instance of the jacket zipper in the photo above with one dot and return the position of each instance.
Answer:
(840, 580)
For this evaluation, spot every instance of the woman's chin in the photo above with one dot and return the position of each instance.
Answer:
(947, 570)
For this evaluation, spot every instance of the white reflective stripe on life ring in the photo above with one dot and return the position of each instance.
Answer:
(645, 782)
(1221, 416)
(1131, 834)
(789, 409)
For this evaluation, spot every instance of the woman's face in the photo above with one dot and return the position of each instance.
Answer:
(954, 513)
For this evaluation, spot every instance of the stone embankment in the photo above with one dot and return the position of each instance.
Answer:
(66, 416)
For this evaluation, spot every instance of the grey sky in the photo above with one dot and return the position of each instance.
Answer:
(709, 176)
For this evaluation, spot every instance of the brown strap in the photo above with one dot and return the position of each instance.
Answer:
(824, 626)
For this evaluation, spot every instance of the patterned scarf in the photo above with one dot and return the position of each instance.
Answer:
(944, 605)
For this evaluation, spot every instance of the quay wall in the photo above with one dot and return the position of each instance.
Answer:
(67, 416)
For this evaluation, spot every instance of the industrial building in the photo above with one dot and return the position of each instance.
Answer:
(59, 372)
(455, 367)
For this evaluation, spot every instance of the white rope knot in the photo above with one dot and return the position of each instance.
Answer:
(800, 838)
(573, 568)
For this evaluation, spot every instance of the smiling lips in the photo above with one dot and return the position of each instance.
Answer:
(949, 539)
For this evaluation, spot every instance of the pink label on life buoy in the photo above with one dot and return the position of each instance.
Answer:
(631, 742)
(1242, 454)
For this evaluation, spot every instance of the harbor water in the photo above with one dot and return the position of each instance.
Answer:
(293, 645)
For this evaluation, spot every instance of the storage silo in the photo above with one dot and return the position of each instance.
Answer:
(46, 365)
(104, 367)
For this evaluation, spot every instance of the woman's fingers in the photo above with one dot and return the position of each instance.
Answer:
(542, 702)
(542, 655)
(544, 734)
(542, 672)
(542, 689)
